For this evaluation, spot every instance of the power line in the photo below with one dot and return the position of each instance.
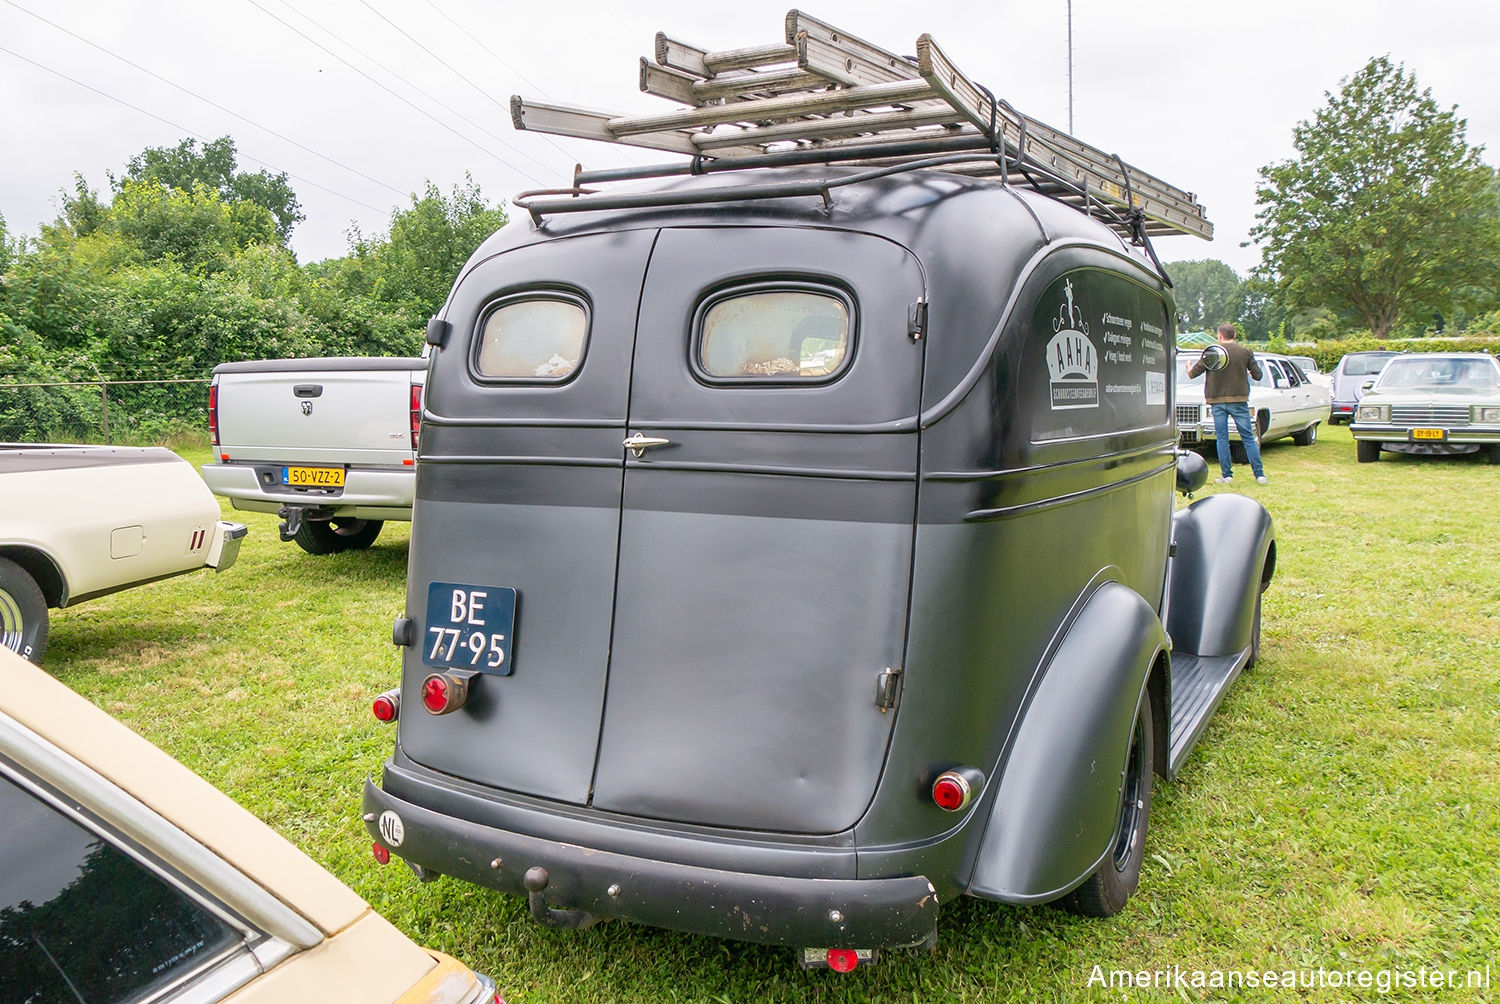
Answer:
(455, 71)
(524, 79)
(185, 129)
(207, 101)
(400, 97)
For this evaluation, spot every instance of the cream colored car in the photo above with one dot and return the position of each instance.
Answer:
(78, 522)
(126, 877)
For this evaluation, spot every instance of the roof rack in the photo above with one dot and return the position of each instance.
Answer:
(824, 96)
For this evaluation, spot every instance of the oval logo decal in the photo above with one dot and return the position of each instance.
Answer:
(392, 831)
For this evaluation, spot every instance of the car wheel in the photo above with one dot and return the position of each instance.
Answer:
(23, 612)
(1307, 436)
(335, 535)
(1103, 894)
(1495, 454)
(1368, 451)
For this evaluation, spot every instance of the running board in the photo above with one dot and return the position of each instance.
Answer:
(1199, 683)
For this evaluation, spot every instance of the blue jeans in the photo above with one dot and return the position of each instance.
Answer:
(1240, 412)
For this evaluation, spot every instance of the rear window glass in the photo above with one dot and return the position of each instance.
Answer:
(775, 335)
(80, 920)
(537, 338)
(1364, 365)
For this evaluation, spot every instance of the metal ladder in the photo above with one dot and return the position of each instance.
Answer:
(824, 96)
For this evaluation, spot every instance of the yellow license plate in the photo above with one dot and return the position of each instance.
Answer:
(1427, 434)
(313, 477)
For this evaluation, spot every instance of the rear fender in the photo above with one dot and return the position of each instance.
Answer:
(1054, 810)
(1225, 556)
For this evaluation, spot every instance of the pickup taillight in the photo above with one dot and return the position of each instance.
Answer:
(416, 413)
(213, 413)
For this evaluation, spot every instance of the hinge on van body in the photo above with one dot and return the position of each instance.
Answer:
(437, 331)
(888, 690)
(916, 320)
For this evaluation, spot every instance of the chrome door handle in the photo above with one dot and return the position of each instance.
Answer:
(638, 444)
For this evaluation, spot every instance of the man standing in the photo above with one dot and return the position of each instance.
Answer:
(1227, 392)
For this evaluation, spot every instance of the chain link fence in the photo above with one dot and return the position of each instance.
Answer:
(104, 411)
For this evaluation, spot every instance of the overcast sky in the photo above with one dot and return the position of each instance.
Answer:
(1200, 94)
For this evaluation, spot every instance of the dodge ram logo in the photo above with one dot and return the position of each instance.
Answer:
(307, 407)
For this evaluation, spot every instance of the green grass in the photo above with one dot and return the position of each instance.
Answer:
(1342, 810)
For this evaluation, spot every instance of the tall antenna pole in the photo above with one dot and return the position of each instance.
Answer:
(1070, 66)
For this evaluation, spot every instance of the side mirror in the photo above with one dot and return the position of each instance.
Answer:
(1365, 387)
(1214, 358)
(1192, 472)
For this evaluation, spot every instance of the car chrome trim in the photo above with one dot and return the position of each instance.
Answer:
(127, 816)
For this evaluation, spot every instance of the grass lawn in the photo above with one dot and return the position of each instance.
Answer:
(1341, 812)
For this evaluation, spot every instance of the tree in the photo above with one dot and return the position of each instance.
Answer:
(214, 167)
(1385, 212)
(413, 267)
(1208, 293)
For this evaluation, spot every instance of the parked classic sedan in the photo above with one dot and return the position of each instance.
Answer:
(1283, 401)
(1349, 377)
(126, 877)
(1434, 403)
(78, 522)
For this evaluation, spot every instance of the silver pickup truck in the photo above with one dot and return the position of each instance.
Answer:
(328, 444)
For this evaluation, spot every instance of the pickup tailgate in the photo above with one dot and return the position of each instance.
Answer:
(319, 411)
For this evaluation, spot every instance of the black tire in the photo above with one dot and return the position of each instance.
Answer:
(1307, 436)
(1366, 450)
(335, 535)
(23, 612)
(1495, 454)
(1103, 894)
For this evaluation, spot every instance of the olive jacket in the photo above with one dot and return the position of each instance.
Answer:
(1231, 384)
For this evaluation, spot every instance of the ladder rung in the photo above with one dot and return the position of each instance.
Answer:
(776, 109)
(748, 58)
(835, 127)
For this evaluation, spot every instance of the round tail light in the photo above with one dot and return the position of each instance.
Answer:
(842, 960)
(951, 791)
(443, 693)
(382, 855)
(387, 707)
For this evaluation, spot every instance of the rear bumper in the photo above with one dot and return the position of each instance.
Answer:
(742, 906)
(367, 494)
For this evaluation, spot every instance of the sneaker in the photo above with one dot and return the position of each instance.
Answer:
(1262, 479)
(1225, 480)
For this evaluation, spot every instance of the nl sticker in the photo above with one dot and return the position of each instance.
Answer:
(1072, 360)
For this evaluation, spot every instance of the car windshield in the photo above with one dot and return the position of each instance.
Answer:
(1440, 371)
(1365, 363)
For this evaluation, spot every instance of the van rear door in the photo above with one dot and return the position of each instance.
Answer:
(765, 539)
(518, 505)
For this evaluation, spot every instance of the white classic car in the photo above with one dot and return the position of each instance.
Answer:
(1284, 402)
(1432, 404)
(78, 522)
(126, 877)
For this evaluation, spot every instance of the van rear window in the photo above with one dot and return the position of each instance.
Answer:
(533, 338)
(774, 335)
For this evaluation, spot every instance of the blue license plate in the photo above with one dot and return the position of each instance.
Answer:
(469, 627)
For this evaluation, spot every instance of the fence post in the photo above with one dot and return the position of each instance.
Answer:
(104, 393)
